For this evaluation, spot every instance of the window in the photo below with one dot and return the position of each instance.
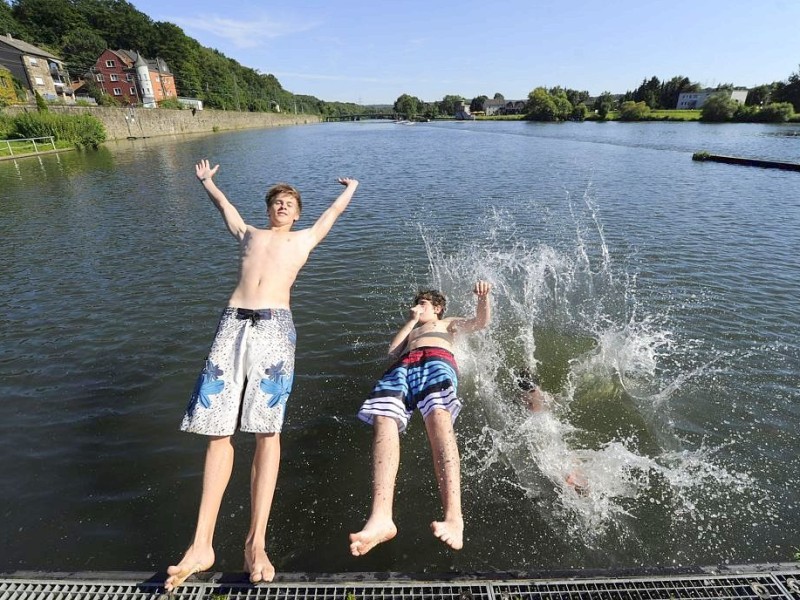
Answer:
(128, 77)
(111, 63)
(132, 92)
(158, 79)
(117, 92)
(114, 77)
(34, 62)
(99, 77)
(38, 80)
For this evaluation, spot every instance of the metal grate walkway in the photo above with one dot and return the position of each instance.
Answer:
(751, 583)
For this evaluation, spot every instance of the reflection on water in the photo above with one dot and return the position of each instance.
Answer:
(654, 297)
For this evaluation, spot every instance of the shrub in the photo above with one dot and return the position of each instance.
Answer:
(634, 111)
(170, 103)
(579, 112)
(41, 105)
(718, 109)
(6, 127)
(777, 112)
(82, 130)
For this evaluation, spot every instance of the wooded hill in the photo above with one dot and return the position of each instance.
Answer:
(77, 31)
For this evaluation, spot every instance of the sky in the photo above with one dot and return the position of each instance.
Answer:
(372, 52)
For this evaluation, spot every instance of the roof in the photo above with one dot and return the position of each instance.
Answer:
(25, 47)
(133, 58)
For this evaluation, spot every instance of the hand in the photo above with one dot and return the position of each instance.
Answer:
(348, 181)
(482, 289)
(203, 170)
(414, 312)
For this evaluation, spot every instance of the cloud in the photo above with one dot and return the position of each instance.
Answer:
(243, 34)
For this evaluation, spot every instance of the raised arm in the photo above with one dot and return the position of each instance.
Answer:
(326, 220)
(231, 216)
(483, 311)
(398, 343)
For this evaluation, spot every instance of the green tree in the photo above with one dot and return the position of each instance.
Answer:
(576, 97)
(429, 110)
(498, 96)
(672, 89)
(541, 106)
(46, 20)
(8, 24)
(579, 112)
(634, 111)
(648, 92)
(447, 105)
(477, 103)
(80, 48)
(563, 105)
(788, 91)
(407, 105)
(718, 108)
(759, 95)
(604, 104)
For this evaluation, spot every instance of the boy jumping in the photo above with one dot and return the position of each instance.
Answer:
(425, 376)
(249, 371)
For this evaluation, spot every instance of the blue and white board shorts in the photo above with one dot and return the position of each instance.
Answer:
(248, 374)
(424, 378)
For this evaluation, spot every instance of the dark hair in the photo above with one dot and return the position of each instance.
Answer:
(284, 188)
(526, 381)
(435, 297)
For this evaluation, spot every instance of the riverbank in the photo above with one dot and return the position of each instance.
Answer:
(125, 123)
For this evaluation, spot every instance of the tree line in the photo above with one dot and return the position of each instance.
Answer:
(775, 102)
(78, 31)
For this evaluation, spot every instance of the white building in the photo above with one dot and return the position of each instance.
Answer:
(694, 100)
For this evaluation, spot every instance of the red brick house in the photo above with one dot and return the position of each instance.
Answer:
(132, 79)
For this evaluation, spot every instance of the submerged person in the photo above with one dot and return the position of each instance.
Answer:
(424, 376)
(537, 401)
(249, 371)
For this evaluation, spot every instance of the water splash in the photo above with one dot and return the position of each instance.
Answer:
(566, 311)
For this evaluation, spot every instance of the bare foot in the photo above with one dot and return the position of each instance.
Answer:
(257, 564)
(450, 532)
(376, 531)
(194, 561)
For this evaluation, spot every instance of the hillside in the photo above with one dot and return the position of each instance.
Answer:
(79, 30)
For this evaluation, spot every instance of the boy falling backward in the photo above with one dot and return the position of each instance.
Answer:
(426, 377)
(249, 371)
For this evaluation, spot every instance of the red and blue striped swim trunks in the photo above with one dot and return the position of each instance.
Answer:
(424, 378)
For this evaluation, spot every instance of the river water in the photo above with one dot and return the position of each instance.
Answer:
(656, 298)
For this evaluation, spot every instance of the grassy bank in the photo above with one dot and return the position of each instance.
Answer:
(20, 147)
(81, 131)
(655, 115)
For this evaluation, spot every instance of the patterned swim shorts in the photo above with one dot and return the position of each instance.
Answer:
(248, 374)
(424, 378)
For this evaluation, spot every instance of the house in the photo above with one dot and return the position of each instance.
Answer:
(695, 100)
(493, 107)
(461, 112)
(514, 107)
(132, 79)
(37, 69)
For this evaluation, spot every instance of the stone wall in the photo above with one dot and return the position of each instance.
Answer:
(123, 123)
